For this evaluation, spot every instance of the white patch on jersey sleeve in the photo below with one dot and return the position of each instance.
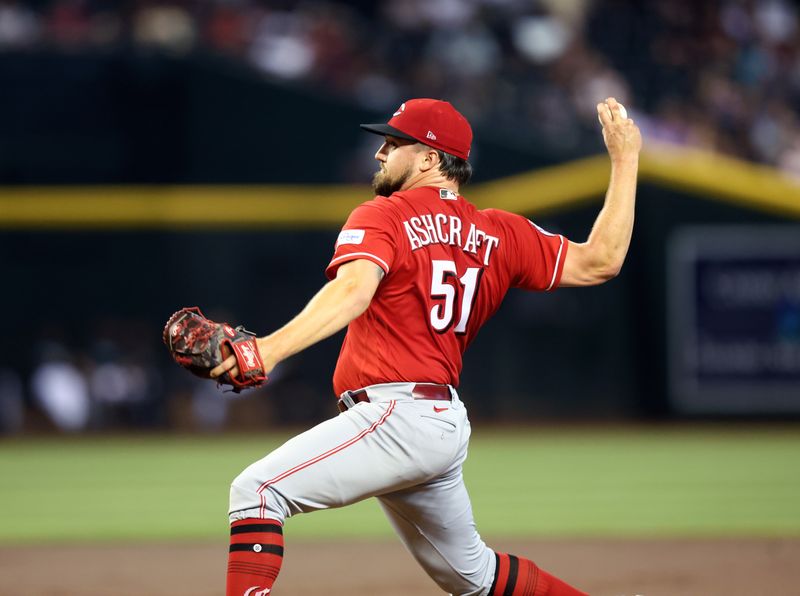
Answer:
(350, 237)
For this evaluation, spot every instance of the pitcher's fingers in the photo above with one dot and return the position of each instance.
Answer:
(603, 113)
(228, 364)
(618, 111)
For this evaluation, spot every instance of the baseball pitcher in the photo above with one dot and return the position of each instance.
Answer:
(415, 273)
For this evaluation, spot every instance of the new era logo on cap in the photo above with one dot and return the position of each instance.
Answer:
(433, 122)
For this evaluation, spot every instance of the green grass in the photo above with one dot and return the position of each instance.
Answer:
(526, 482)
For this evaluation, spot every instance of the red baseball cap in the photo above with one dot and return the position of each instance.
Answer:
(432, 122)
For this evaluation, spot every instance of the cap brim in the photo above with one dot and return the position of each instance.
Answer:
(385, 129)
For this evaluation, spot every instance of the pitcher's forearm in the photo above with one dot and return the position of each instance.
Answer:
(611, 234)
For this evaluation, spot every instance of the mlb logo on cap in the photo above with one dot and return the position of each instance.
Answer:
(433, 122)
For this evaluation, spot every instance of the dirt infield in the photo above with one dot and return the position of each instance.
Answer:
(602, 567)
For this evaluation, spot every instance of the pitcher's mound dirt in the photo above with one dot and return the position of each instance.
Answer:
(600, 567)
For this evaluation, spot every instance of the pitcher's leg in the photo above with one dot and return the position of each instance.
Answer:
(435, 522)
(338, 462)
(518, 576)
(255, 556)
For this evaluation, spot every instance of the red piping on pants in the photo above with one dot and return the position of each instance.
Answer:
(298, 467)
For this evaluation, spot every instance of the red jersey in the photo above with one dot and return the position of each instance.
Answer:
(447, 267)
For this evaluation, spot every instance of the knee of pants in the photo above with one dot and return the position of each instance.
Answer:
(463, 587)
(249, 499)
(473, 579)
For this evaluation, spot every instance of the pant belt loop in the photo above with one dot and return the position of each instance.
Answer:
(347, 400)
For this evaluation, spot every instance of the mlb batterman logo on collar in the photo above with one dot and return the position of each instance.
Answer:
(432, 122)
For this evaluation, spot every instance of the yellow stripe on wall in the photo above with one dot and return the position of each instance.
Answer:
(547, 190)
(723, 178)
(174, 207)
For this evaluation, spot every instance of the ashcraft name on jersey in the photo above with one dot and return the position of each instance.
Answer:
(448, 229)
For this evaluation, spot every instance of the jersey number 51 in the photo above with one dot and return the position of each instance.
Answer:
(443, 315)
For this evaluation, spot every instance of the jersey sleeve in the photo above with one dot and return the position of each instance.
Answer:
(369, 233)
(537, 258)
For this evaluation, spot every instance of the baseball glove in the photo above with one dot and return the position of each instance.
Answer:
(196, 343)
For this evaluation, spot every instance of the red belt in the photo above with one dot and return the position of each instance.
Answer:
(419, 391)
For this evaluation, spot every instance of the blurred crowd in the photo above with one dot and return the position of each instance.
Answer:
(71, 383)
(722, 75)
(112, 375)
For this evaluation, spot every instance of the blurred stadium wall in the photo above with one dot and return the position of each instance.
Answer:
(136, 182)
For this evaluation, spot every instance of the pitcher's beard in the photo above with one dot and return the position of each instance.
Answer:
(384, 185)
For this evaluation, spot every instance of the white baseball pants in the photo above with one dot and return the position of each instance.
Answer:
(408, 453)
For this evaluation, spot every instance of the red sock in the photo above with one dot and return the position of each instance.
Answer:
(515, 576)
(255, 556)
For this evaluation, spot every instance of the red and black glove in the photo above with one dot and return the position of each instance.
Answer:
(196, 343)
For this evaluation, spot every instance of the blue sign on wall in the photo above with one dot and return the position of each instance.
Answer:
(734, 320)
